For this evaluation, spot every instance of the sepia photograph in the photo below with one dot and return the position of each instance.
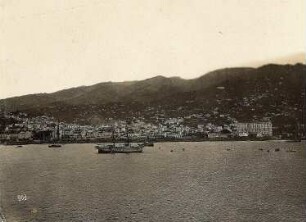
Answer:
(152, 110)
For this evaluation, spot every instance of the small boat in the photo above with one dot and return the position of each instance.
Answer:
(291, 151)
(149, 144)
(19, 146)
(55, 145)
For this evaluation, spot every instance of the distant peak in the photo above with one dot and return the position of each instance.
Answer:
(293, 59)
(157, 77)
(160, 77)
(273, 65)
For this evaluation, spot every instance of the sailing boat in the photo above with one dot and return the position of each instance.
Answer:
(148, 142)
(115, 147)
(297, 136)
(57, 139)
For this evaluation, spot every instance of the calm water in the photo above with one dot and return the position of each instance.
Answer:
(208, 181)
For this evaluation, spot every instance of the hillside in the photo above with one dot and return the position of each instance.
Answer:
(272, 91)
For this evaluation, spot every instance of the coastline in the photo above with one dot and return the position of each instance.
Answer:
(10, 143)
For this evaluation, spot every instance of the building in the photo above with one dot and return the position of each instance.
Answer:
(259, 129)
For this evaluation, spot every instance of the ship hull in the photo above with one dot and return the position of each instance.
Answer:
(55, 146)
(119, 151)
(119, 148)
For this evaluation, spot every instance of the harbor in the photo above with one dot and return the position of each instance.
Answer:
(181, 181)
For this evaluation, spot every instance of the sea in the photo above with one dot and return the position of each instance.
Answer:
(184, 181)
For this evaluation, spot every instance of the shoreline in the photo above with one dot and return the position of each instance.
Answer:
(153, 141)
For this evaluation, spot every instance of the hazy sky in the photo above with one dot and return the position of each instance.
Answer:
(47, 45)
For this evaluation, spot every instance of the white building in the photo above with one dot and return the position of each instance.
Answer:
(259, 129)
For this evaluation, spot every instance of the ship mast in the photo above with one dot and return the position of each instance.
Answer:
(113, 135)
(127, 132)
(57, 132)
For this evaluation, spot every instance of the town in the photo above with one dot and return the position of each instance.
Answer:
(19, 128)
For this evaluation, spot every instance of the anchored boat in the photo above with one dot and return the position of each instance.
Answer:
(55, 145)
(148, 143)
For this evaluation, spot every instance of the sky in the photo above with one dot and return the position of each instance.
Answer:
(50, 45)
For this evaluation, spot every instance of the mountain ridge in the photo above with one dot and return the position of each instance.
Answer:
(151, 78)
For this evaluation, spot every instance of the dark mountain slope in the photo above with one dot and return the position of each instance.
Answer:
(245, 94)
